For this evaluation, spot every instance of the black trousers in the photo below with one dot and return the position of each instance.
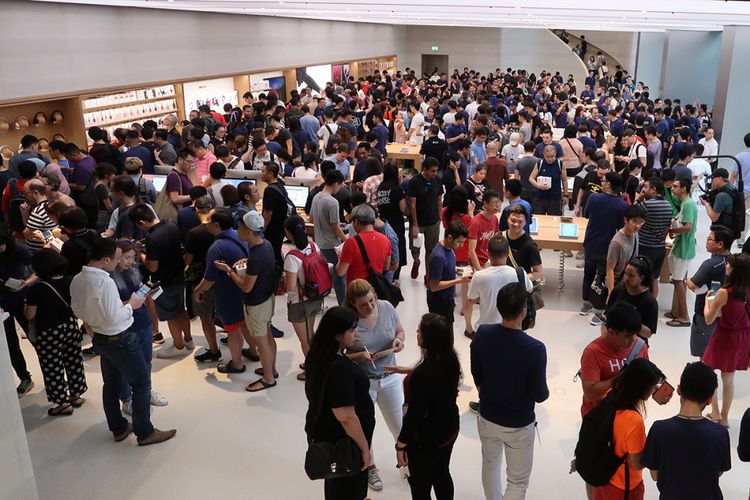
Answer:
(443, 307)
(14, 347)
(429, 469)
(347, 488)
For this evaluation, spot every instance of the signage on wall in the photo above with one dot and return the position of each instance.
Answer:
(368, 67)
(435, 48)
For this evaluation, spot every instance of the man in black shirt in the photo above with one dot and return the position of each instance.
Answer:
(426, 195)
(523, 250)
(77, 249)
(275, 208)
(435, 147)
(163, 259)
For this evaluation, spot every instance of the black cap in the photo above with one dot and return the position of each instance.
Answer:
(720, 172)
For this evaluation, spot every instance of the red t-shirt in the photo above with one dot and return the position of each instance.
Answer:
(462, 254)
(6, 200)
(378, 248)
(600, 361)
(482, 229)
(497, 173)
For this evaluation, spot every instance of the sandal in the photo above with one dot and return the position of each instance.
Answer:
(259, 371)
(77, 402)
(675, 322)
(302, 366)
(670, 315)
(263, 385)
(62, 410)
(301, 376)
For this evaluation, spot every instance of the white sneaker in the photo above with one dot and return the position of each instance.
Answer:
(190, 345)
(373, 478)
(158, 400)
(172, 352)
(127, 408)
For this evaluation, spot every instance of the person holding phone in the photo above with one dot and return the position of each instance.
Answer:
(379, 337)
(729, 348)
(670, 447)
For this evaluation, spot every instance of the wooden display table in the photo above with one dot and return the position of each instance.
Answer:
(548, 236)
(396, 151)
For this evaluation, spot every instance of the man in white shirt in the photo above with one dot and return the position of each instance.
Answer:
(487, 282)
(95, 300)
(710, 146)
(700, 168)
(415, 135)
(328, 128)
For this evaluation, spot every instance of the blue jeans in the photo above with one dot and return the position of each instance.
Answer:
(123, 357)
(339, 282)
(145, 339)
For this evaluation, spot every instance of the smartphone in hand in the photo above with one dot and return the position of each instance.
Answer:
(663, 394)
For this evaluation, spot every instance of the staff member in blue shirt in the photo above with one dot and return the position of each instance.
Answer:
(510, 371)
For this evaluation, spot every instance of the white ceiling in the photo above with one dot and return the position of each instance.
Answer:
(604, 15)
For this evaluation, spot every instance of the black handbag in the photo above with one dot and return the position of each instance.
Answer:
(327, 460)
(384, 289)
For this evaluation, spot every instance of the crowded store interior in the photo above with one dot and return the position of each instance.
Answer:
(264, 250)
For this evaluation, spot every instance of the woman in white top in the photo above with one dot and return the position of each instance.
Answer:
(309, 167)
(300, 311)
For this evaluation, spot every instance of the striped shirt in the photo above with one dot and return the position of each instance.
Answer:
(38, 221)
(658, 218)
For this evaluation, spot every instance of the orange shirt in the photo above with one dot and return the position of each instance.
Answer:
(629, 433)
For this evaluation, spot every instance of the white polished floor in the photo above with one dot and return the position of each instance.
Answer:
(235, 445)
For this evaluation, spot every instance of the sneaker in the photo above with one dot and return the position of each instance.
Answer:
(158, 338)
(277, 333)
(189, 344)
(172, 352)
(373, 478)
(224, 340)
(208, 356)
(252, 356)
(156, 437)
(397, 283)
(158, 400)
(228, 368)
(24, 387)
(579, 255)
(597, 319)
(89, 351)
(127, 408)
(474, 407)
(585, 308)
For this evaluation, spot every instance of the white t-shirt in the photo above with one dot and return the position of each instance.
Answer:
(700, 168)
(293, 264)
(485, 284)
(449, 119)
(324, 134)
(417, 125)
(240, 165)
(305, 173)
(637, 150)
(710, 148)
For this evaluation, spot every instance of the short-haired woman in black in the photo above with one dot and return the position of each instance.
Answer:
(431, 421)
(343, 388)
(58, 342)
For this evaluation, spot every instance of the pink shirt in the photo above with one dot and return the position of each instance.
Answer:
(202, 166)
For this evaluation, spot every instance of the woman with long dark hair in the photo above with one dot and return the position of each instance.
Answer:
(729, 347)
(341, 388)
(630, 390)
(300, 312)
(431, 423)
(14, 265)
(58, 342)
(391, 205)
(636, 291)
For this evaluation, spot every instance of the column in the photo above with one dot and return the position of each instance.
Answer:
(689, 65)
(731, 105)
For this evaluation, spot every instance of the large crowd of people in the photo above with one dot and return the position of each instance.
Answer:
(90, 249)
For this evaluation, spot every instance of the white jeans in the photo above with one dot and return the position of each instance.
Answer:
(518, 444)
(388, 393)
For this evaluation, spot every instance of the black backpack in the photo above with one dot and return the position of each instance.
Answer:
(14, 216)
(596, 460)
(737, 221)
(290, 208)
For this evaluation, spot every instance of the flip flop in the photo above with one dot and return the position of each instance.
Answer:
(60, 411)
(263, 385)
(259, 371)
(670, 315)
(301, 376)
(77, 402)
(674, 322)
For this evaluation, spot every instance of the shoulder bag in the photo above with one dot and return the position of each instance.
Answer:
(32, 332)
(327, 460)
(384, 289)
(165, 209)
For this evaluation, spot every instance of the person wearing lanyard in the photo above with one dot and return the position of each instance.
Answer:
(95, 300)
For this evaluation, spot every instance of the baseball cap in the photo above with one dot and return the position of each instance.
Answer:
(204, 203)
(720, 172)
(253, 221)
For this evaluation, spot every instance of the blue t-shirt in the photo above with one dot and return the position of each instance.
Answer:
(606, 214)
(452, 131)
(442, 268)
(689, 455)
(479, 152)
(539, 150)
(261, 262)
(587, 142)
(228, 296)
(146, 156)
(381, 131)
(128, 281)
(504, 216)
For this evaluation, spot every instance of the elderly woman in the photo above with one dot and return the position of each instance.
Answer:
(379, 337)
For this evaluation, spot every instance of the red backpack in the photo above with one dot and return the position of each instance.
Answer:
(317, 276)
